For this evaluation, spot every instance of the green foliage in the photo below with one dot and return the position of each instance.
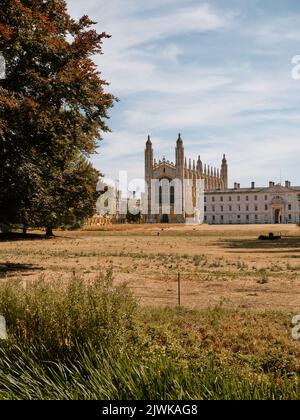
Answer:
(85, 339)
(102, 375)
(263, 277)
(133, 218)
(57, 315)
(71, 195)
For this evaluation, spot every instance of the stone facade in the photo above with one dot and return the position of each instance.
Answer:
(214, 179)
(222, 205)
(254, 205)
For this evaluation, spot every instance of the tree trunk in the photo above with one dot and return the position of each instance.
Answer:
(24, 231)
(49, 232)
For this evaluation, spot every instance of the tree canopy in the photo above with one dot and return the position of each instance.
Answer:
(53, 109)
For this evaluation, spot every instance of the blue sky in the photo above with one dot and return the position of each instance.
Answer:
(217, 71)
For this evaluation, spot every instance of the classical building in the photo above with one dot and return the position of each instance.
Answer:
(166, 200)
(272, 204)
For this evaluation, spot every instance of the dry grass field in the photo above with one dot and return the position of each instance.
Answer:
(218, 264)
(230, 339)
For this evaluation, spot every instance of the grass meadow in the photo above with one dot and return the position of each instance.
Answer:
(94, 315)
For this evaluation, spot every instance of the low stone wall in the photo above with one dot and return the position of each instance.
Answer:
(98, 221)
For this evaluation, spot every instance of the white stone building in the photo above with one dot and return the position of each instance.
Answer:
(272, 204)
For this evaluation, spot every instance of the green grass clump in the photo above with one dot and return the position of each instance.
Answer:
(102, 375)
(263, 277)
(58, 314)
(88, 339)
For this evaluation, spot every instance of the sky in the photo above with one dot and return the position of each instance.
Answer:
(217, 71)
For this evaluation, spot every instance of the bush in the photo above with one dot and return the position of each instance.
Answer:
(57, 315)
(83, 339)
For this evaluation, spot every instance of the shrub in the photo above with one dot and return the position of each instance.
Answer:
(83, 339)
(58, 314)
(263, 277)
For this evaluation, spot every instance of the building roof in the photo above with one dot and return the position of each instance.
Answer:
(163, 163)
(276, 189)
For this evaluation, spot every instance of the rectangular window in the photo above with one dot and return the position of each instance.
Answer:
(230, 208)
(247, 197)
(222, 208)
(205, 199)
(247, 208)
(266, 197)
(213, 218)
(221, 198)
(255, 198)
(256, 217)
(238, 198)
(247, 217)
(290, 207)
(239, 208)
(205, 208)
(222, 218)
(256, 208)
(290, 217)
(229, 198)
(266, 207)
(213, 199)
(172, 195)
(213, 208)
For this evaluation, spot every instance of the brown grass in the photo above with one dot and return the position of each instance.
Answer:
(218, 264)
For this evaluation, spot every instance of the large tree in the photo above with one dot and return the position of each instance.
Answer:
(68, 197)
(53, 104)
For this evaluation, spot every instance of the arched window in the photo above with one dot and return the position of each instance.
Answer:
(166, 193)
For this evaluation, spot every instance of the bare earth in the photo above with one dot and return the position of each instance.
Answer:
(217, 264)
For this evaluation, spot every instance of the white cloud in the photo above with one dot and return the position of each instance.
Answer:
(135, 75)
(239, 103)
(279, 30)
(170, 53)
(161, 62)
(131, 25)
(133, 31)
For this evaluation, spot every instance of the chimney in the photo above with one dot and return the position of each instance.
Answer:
(288, 184)
(271, 184)
(252, 185)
